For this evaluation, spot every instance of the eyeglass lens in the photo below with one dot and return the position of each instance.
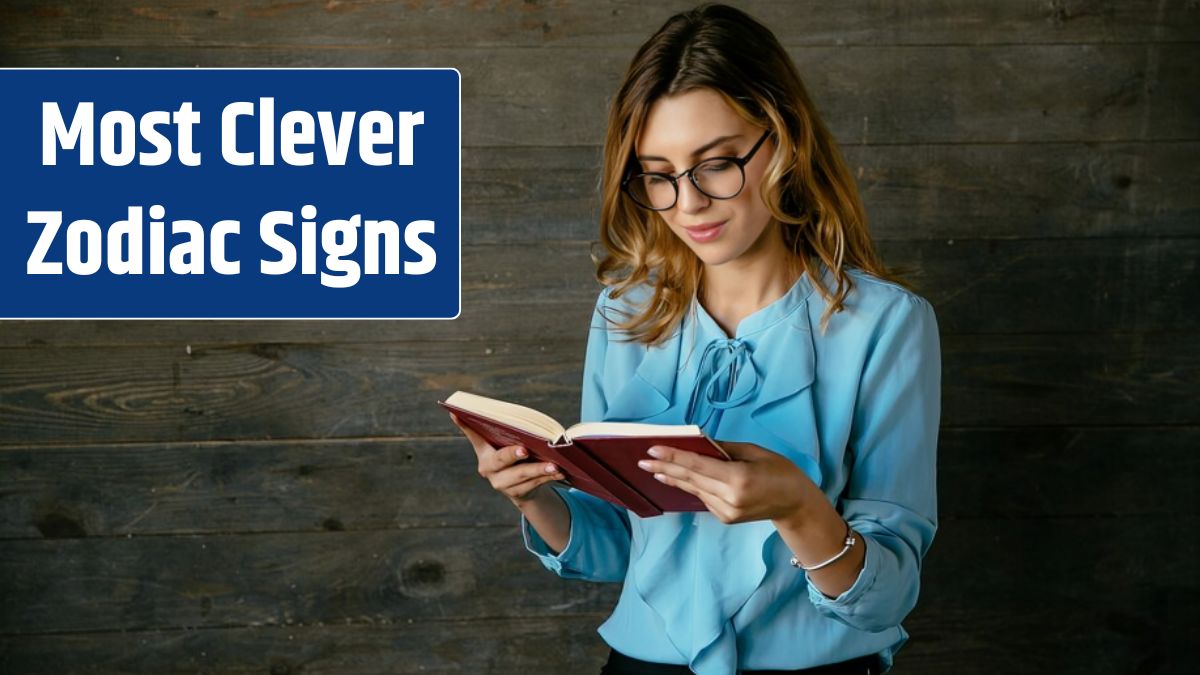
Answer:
(718, 178)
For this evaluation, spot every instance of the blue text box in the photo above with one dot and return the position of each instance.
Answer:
(407, 184)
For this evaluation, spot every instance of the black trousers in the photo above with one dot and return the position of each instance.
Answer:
(621, 664)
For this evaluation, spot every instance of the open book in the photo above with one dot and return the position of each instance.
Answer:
(599, 458)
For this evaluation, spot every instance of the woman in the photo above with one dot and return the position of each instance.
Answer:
(742, 294)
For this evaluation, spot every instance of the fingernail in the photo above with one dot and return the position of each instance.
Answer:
(521, 452)
(550, 468)
(654, 452)
(661, 478)
(644, 463)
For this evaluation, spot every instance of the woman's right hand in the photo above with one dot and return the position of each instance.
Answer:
(503, 468)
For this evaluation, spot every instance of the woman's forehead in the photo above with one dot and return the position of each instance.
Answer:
(677, 125)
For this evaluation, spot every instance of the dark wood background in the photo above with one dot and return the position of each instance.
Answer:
(284, 497)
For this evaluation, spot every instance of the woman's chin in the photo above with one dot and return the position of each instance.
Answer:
(713, 258)
(709, 253)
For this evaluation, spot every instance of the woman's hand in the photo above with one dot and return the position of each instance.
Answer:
(503, 468)
(756, 485)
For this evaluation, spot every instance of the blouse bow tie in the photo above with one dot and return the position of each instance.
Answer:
(727, 377)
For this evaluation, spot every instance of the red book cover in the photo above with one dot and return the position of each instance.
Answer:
(620, 455)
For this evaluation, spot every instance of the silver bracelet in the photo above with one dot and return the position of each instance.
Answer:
(848, 544)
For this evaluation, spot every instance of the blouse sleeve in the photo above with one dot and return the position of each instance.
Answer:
(891, 496)
(598, 546)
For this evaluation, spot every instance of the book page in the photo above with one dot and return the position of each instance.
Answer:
(511, 414)
(586, 429)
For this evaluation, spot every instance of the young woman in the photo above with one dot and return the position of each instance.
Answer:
(742, 294)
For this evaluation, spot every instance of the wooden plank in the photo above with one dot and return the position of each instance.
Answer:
(1027, 286)
(1045, 570)
(71, 585)
(357, 484)
(190, 488)
(1056, 596)
(929, 94)
(270, 390)
(565, 644)
(530, 194)
(511, 646)
(985, 573)
(519, 291)
(1133, 379)
(1169, 67)
(1030, 190)
(503, 24)
(1049, 472)
(569, 644)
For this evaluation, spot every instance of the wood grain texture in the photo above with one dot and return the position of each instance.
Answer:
(1053, 471)
(568, 644)
(509, 646)
(63, 492)
(280, 579)
(1105, 592)
(502, 23)
(1049, 595)
(932, 94)
(187, 488)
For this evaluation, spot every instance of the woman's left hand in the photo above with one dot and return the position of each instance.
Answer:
(756, 485)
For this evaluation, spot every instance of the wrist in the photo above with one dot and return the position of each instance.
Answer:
(795, 518)
(543, 497)
(849, 540)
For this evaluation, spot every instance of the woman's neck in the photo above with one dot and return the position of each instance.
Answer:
(738, 288)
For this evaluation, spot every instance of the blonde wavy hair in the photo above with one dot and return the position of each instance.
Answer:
(807, 187)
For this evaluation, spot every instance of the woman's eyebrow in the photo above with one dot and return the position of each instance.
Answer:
(695, 153)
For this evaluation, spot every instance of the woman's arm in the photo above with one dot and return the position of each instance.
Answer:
(550, 517)
(891, 497)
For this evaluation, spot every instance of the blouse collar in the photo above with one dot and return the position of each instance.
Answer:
(760, 319)
(786, 366)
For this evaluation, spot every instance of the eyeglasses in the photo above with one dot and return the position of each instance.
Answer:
(715, 177)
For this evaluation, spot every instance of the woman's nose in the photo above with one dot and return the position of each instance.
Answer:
(691, 199)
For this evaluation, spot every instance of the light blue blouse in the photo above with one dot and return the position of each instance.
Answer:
(856, 408)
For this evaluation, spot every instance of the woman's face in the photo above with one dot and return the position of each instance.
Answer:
(684, 129)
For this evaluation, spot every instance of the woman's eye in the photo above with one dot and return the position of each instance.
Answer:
(717, 167)
(655, 180)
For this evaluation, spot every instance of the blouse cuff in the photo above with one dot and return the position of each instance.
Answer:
(537, 546)
(845, 602)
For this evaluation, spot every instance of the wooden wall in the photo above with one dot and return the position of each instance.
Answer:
(284, 497)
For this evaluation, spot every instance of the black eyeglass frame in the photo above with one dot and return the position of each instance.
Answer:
(741, 163)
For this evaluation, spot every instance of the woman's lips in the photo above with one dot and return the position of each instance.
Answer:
(705, 232)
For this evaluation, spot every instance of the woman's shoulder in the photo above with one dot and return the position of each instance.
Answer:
(874, 293)
(614, 306)
(875, 302)
(627, 299)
